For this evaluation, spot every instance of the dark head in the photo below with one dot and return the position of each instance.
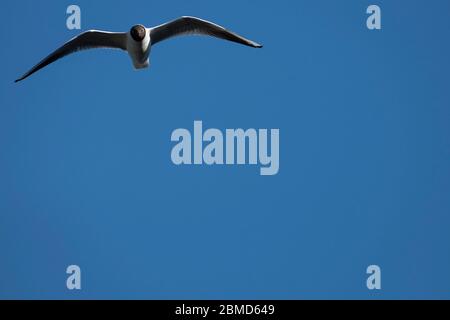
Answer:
(138, 32)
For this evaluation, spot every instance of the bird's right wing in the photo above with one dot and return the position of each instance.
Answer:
(87, 40)
(196, 26)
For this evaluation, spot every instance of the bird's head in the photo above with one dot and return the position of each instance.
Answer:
(138, 32)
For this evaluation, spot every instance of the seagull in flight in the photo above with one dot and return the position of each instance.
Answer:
(139, 40)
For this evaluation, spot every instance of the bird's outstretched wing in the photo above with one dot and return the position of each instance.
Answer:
(87, 40)
(196, 26)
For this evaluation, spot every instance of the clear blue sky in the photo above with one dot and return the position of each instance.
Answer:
(86, 176)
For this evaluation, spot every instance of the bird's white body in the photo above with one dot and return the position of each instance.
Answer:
(139, 40)
(139, 52)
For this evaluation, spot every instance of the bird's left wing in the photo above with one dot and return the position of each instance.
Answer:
(196, 26)
(87, 40)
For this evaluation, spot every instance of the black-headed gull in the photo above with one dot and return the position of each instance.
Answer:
(139, 40)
